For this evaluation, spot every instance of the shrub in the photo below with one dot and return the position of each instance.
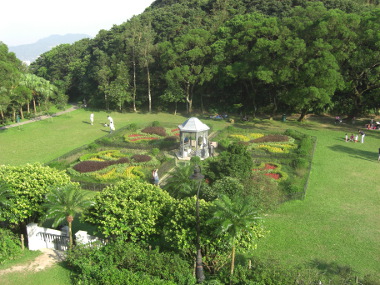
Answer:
(227, 186)
(132, 127)
(305, 146)
(301, 163)
(224, 143)
(155, 123)
(235, 162)
(92, 146)
(10, 245)
(126, 263)
(155, 151)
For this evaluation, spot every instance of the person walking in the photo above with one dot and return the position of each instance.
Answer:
(346, 138)
(92, 119)
(110, 119)
(362, 136)
(156, 179)
(379, 156)
(112, 127)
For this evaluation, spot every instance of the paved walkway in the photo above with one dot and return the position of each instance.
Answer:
(39, 118)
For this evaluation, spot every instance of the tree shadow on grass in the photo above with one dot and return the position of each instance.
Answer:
(356, 153)
(332, 269)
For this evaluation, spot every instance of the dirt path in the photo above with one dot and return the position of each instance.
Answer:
(39, 118)
(48, 258)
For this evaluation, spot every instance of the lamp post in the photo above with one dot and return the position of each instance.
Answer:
(197, 175)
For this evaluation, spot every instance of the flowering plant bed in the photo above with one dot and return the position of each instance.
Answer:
(150, 134)
(271, 169)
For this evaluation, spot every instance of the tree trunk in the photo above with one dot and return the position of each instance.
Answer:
(274, 110)
(302, 116)
(232, 260)
(21, 113)
(189, 103)
(134, 84)
(34, 106)
(149, 93)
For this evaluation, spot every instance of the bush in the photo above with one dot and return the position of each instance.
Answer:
(235, 162)
(305, 146)
(132, 127)
(155, 124)
(227, 186)
(120, 262)
(155, 151)
(10, 245)
(301, 163)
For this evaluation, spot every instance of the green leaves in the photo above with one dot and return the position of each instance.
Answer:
(131, 207)
(29, 185)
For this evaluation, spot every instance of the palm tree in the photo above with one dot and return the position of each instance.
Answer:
(235, 218)
(179, 184)
(64, 203)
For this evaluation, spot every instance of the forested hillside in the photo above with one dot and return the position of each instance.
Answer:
(241, 56)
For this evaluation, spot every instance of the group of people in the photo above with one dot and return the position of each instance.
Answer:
(110, 122)
(355, 138)
(373, 125)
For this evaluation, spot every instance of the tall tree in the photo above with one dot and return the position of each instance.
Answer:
(63, 203)
(132, 41)
(187, 61)
(146, 50)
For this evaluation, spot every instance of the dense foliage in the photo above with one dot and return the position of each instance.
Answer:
(273, 56)
(131, 208)
(10, 245)
(126, 263)
(29, 184)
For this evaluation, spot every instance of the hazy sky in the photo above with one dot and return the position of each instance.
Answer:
(27, 21)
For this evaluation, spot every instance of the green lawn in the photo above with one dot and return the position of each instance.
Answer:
(45, 140)
(336, 226)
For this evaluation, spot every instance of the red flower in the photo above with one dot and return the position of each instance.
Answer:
(135, 135)
(270, 166)
(273, 175)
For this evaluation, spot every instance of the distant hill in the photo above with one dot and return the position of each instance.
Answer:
(30, 52)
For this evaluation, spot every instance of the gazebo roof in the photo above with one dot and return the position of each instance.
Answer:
(193, 125)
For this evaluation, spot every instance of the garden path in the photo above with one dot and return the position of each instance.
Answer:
(39, 118)
(48, 258)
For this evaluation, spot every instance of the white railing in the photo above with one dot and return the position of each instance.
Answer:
(40, 237)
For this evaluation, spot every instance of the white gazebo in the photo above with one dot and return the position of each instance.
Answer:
(193, 139)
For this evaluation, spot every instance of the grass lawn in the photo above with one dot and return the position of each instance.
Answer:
(335, 227)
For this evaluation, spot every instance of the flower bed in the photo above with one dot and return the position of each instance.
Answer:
(141, 158)
(276, 176)
(91, 166)
(271, 170)
(271, 138)
(160, 131)
(143, 138)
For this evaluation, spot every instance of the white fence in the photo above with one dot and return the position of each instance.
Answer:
(39, 237)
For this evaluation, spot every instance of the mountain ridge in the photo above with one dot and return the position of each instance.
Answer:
(30, 52)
